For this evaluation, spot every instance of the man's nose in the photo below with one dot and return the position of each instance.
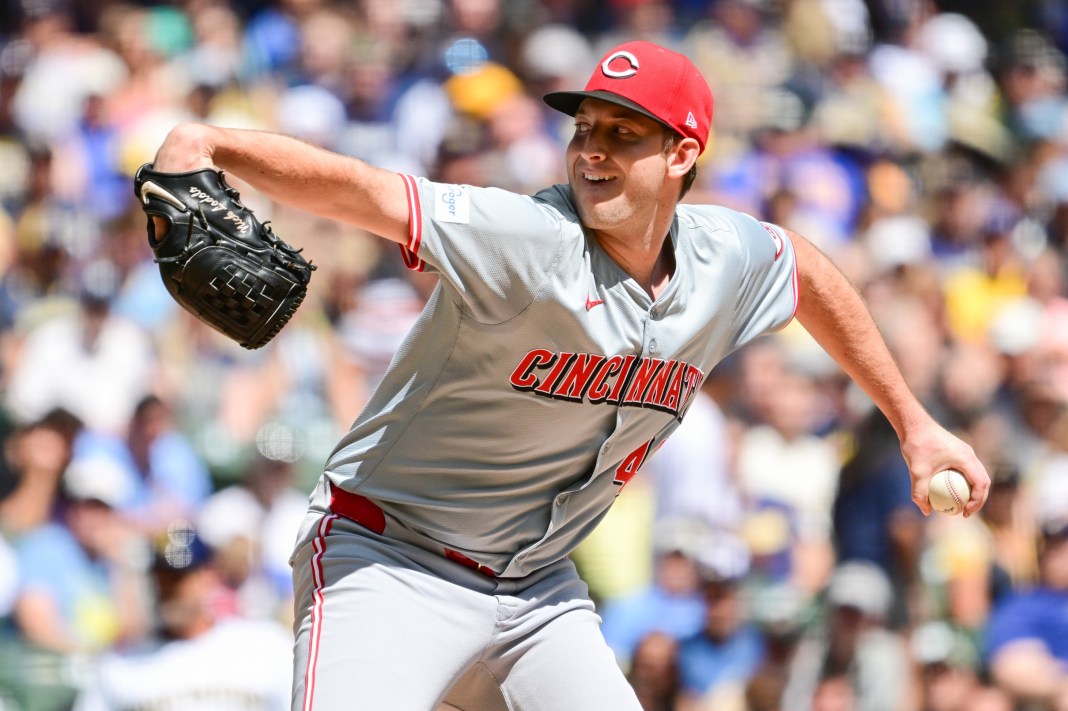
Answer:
(592, 146)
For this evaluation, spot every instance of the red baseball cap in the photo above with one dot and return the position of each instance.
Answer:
(652, 80)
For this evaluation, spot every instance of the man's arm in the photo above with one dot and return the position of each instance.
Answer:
(835, 315)
(1025, 668)
(294, 173)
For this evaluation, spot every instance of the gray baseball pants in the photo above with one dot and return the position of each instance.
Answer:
(385, 625)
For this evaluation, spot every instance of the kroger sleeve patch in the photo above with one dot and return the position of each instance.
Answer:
(492, 248)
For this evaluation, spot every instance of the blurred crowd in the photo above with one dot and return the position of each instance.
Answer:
(769, 557)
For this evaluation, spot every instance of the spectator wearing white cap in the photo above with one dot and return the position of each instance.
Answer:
(716, 664)
(251, 525)
(853, 645)
(82, 577)
(948, 667)
(671, 603)
(82, 588)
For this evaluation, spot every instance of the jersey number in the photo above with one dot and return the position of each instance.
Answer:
(631, 464)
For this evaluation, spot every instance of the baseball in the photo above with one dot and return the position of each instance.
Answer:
(949, 492)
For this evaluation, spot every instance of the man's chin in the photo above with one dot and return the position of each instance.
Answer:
(593, 215)
(591, 220)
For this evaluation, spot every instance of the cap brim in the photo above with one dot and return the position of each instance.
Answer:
(568, 102)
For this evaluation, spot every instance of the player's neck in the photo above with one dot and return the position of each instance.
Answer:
(663, 269)
(650, 264)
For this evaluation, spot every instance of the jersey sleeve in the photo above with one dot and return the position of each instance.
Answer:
(767, 297)
(493, 249)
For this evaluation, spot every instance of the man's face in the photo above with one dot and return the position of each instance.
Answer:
(617, 167)
(723, 609)
(93, 524)
(1054, 560)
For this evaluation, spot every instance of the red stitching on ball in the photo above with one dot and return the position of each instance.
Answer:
(953, 490)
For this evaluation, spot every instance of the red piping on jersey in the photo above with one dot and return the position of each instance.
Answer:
(410, 251)
(783, 235)
(780, 237)
(795, 278)
(318, 583)
(797, 292)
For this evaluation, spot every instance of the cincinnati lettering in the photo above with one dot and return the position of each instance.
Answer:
(624, 380)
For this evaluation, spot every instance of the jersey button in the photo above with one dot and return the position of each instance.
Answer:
(654, 347)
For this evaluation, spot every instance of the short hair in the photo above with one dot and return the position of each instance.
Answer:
(672, 139)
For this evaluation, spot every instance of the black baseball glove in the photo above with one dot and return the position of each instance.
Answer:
(216, 259)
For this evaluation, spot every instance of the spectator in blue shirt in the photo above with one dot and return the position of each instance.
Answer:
(1027, 636)
(670, 604)
(716, 663)
(82, 584)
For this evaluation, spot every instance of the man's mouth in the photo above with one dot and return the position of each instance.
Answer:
(597, 178)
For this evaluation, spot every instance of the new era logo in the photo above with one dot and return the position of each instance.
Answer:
(690, 120)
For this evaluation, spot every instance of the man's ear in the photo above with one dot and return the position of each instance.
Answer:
(682, 157)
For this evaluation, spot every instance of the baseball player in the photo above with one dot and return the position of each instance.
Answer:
(567, 336)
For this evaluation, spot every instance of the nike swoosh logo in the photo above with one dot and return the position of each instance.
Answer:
(590, 303)
(150, 188)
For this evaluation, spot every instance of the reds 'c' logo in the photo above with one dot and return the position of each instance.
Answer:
(630, 71)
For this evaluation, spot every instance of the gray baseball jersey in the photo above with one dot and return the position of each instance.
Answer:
(540, 377)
